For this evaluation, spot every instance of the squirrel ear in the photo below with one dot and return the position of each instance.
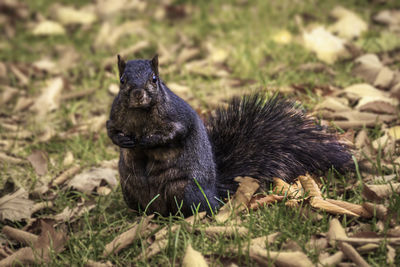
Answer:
(121, 65)
(154, 64)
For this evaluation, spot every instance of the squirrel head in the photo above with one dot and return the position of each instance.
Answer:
(140, 86)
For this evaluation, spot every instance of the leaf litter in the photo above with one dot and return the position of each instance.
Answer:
(374, 102)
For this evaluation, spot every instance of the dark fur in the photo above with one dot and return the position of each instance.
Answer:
(165, 146)
(266, 138)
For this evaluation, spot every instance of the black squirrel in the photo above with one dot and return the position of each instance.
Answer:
(170, 161)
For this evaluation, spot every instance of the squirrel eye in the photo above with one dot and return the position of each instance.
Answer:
(154, 78)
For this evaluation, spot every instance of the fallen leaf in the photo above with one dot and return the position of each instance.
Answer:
(390, 255)
(310, 187)
(66, 175)
(384, 78)
(380, 105)
(355, 208)
(7, 94)
(69, 16)
(49, 99)
(335, 231)
(327, 46)
(352, 254)
(47, 65)
(68, 158)
(322, 204)
(38, 159)
(16, 206)
(123, 240)
(281, 258)
(367, 248)
(193, 258)
(263, 240)
(48, 27)
(349, 25)
(21, 236)
(367, 67)
(48, 242)
(239, 202)
(317, 244)
(388, 17)
(153, 249)
(282, 37)
(87, 181)
(332, 260)
(384, 190)
(9, 159)
(72, 214)
(227, 231)
(257, 202)
(283, 188)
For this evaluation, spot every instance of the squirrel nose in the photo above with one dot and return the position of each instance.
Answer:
(138, 94)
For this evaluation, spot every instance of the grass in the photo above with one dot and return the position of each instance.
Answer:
(244, 29)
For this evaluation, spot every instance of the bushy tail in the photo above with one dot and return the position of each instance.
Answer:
(269, 137)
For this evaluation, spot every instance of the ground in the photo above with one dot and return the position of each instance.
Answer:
(58, 77)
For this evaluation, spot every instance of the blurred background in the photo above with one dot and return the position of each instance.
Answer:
(58, 60)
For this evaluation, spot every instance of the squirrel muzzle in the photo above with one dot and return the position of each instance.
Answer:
(139, 98)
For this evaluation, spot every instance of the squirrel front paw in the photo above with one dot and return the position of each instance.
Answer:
(124, 141)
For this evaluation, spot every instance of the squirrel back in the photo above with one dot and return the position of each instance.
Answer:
(170, 161)
(265, 137)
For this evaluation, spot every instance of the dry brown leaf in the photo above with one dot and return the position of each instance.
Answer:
(352, 254)
(87, 181)
(49, 99)
(48, 27)
(127, 52)
(334, 104)
(153, 249)
(327, 46)
(360, 90)
(16, 206)
(239, 202)
(262, 240)
(70, 215)
(291, 245)
(380, 210)
(382, 190)
(332, 260)
(91, 263)
(391, 255)
(68, 159)
(395, 232)
(355, 208)
(23, 103)
(322, 204)
(7, 94)
(109, 9)
(358, 241)
(22, 78)
(228, 231)
(123, 240)
(49, 241)
(291, 190)
(193, 258)
(9, 159)
(21, 236)
(388, 17)
(384, 78)
(317, 244)
(310, 186)
(298, 259)
(69, 16)
(103, 190)
(367, 67)
(47, 65)
(335, 231)
(38, 159)
(109, 34)
(259, 201)
(377, 104)
(367, 248)
(349, 25)
(66, 175)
